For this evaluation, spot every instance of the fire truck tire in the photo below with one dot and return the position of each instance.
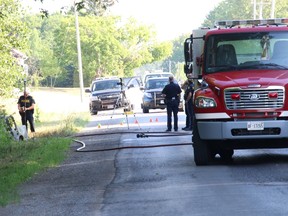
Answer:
(202, 148)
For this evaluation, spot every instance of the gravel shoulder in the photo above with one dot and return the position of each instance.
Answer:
(76, 187)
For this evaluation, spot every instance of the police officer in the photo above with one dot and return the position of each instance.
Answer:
(188, 87)
(172, 92)
(26, 105)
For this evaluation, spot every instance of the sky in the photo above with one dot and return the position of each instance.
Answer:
(169, 18)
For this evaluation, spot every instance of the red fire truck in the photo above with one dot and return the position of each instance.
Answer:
(241, 102)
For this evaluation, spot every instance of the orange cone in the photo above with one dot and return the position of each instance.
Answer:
(156, 120)
(122, 122)
(99, 125)
(151, 120)
(136, 122)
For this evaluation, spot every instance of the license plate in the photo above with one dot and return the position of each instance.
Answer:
(255, 125)
(162, 102)
(110, 106)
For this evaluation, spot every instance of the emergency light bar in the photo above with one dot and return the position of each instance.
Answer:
(229, 23)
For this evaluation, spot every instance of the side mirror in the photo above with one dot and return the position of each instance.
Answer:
(188, 68)
(188, 55)
(87, 90)
(188, 50)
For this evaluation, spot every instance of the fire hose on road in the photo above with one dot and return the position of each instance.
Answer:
(139, 135)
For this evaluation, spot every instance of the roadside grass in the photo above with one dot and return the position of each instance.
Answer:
(20, 161)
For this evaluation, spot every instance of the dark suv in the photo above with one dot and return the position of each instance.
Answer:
(152, 97)
(106, 94)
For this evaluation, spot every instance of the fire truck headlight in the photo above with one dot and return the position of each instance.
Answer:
(203, 102)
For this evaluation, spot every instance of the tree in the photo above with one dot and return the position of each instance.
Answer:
(110, 47)
(174, 63)
(13, 38)
(229, 10)
(92, 7)
(98, 7)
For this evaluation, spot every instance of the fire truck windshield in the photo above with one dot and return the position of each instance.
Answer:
(252, 50)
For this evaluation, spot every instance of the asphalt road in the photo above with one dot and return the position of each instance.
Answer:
(160, 181)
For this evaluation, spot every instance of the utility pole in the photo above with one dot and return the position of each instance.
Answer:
(79, 52)
(261, 10)
(261, 4)
(273, 9)
(254, 9)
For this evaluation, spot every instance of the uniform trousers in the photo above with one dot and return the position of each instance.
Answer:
(28, 116)
(172, 107)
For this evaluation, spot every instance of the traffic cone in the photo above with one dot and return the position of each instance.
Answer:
(151, 120)
(156, 119)
(136, 122)
(99, 125)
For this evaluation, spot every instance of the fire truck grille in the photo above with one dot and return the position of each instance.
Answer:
(254, 99)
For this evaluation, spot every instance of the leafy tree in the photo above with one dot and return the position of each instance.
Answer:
(98, 7)
(229, 10)
(92, 7)
(110, 47)
(13, 37)
(171, 63)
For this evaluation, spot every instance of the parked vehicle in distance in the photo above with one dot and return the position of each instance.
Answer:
(152, 97)
(154, 75)
(133, 92)
(106, 94)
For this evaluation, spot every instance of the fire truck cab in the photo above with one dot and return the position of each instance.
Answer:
(241, 98)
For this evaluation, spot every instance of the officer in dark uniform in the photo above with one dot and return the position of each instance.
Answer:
(188, 86)
(172, 92)
(26, 105)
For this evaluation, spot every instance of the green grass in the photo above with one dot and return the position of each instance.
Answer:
(20, 161)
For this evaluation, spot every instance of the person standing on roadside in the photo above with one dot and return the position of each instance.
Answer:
(26, 105)
(172, 92)
(188, 87)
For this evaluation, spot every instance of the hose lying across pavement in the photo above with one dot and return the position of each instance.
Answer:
(147, 134)
(139, 135)
(126, 147)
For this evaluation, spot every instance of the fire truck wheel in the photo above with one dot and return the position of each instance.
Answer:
(202, 148)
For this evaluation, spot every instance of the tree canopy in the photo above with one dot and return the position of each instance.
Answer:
(13, 41)
(110, 47)
(243, 9)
